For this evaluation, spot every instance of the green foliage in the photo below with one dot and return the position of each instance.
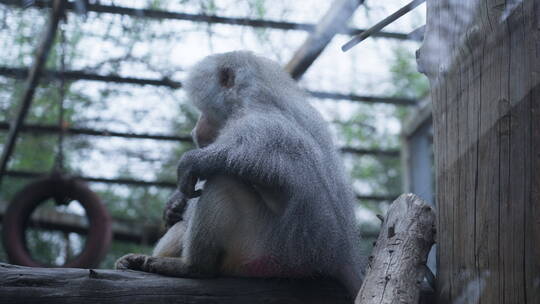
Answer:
(406, 79)
(382, 174)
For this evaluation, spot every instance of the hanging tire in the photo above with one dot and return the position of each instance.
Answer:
(17, 217)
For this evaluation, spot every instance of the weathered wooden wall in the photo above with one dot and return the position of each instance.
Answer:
(483, 62)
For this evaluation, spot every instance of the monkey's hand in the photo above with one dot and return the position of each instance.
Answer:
(174, 209)
(187, 179)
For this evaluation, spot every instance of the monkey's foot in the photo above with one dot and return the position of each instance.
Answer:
(132, 261)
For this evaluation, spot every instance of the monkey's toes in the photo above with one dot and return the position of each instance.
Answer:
(131, 261)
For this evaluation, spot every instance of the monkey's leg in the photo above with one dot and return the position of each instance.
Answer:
(205, 264)
(206, 226)
(170, 245)
(166, 259)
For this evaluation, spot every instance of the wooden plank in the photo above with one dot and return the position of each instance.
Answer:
(489, 153)
(333, 21)
(532, 216)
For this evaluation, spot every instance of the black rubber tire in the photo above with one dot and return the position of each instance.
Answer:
(26, 201)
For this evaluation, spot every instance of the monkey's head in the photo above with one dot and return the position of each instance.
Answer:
(227, 85)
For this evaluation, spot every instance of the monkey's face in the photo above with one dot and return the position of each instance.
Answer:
(205, 131)
(215, 85)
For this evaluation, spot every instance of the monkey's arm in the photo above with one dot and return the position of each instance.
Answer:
(265, 150)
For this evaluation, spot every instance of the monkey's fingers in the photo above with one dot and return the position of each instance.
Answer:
(172, 217)
(188, 186)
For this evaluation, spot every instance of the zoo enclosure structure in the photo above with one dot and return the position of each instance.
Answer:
(331, 24)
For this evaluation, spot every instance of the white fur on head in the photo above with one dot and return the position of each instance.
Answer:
(221, 84)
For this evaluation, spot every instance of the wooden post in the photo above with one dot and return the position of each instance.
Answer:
(483, 62)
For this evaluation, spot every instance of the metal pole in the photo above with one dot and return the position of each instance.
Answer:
(212, 19)
(379, 26)
(81, 75)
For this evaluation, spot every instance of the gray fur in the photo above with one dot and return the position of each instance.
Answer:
(275, 182)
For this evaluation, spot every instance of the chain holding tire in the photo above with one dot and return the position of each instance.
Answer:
(63, 189)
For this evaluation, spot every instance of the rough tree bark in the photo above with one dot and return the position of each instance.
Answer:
(397, 264)
(483, 62)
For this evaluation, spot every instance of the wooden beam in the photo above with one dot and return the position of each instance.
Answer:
(160, 14)
(333, 22)
(33, 78)
(21, 73)
(68, 285)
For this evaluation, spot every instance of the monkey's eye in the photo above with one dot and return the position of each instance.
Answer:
(226, 77)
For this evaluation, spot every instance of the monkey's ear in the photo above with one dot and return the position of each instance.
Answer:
(226, 77)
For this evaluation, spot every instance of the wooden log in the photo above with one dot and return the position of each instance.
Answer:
(397, 265)
(69, 285)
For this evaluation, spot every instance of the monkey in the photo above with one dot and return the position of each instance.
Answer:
(276, 201)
